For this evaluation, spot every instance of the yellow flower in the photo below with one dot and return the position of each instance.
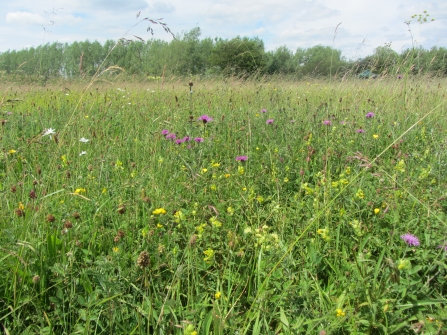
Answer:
(340, 312)
(159, 211)
(227, 175)
(21, 206)
(241, 170)
(179, 216)
(204, 170)
(230, 210)
(217, 295)
(159, 225)
(12, 151)
(215, 222)
(209, 253)
(79, 190)
(376, 210)
(360, 194)
(104, 190)
(115, 249)
(216, 165)
(376, 136)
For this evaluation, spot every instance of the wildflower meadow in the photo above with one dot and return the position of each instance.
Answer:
(243, 206)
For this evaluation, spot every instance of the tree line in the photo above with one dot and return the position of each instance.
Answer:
(188, 54)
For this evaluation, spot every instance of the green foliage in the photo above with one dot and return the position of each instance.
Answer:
(238, 56)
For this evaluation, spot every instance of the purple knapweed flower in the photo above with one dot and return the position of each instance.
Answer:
(165, 132)
(269, 121)
(410, 239)
(198, 139)
(264, 110)
(180, 141)
(443, 246)
(327, 122)
(399, 76)
(205, 118)
(242, 158)
(360, 131)
(171, 136)
(370, 115)
(186, 139)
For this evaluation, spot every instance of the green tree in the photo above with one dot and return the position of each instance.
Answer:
(319, 60)
(239, 55)
(280, 61)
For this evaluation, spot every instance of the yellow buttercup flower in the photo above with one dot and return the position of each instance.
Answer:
(159, 211)
(340, 312)
(217, 295)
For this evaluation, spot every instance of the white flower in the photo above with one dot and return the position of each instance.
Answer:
(49, 131)
(82, 153)
(84, 140)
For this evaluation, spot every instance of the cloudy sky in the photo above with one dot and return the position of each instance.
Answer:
(364, 24)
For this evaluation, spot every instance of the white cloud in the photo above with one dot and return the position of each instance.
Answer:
(162, 7)
(25, 18)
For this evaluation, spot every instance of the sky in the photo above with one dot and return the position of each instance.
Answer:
(356, 27)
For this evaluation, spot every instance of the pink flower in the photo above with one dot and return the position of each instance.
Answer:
(198, 139)
(171, 136)
(370, 115)
(264, 110)
(327, 122)
(269, 121)
(360, 131)
(165, 132)
(410, 239)
(205, 118)
(242, 158)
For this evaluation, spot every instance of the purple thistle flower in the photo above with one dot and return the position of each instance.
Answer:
(171, 136)
(242, 158)
(443, 246)
(180, 141)
(205, 118)
(327, 122)
(399, 77)
(269, 121)
(165, 132)
(264, 110)
(360, 131)
(199, 139)
(370, 115)
(411, 240)
(186, 139)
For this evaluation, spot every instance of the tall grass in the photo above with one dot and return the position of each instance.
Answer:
(129, 232)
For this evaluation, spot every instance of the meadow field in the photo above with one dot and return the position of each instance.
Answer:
(228, 207)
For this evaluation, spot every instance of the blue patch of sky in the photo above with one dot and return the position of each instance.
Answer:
(81, 15)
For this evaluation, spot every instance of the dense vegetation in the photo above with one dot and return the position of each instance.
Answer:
(190, 55)
(240, 206)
